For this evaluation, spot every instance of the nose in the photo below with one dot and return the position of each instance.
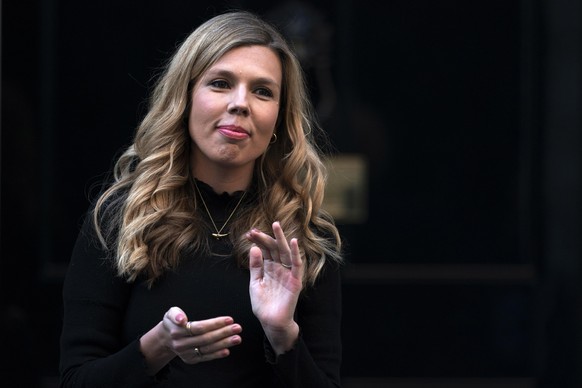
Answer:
(239, 104)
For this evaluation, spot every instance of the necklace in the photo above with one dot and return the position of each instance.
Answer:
(218, 233)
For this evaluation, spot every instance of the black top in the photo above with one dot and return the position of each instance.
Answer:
(104, 317)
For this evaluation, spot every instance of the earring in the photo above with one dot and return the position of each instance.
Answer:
(274, 138)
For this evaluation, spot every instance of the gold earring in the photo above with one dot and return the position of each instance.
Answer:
(274, 138)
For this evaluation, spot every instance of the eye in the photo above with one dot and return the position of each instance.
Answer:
(219, 84)
(264, 92)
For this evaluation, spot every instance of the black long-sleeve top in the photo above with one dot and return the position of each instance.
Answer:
(104, 317)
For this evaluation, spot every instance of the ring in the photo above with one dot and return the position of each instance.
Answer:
(188, 328)
(288, 266)
(198, 352)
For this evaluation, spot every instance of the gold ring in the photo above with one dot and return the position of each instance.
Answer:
(198, 352)
(288, 266)
(188, 328)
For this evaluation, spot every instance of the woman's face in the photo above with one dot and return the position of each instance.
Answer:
(235, 105)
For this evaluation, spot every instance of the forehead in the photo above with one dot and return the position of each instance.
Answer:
(251, 59)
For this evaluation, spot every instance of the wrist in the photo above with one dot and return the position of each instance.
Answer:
(283, 340)
(154, 351)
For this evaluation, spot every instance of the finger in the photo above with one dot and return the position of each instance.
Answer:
(189, 328)
(284, 252)
(256, 263)
(197, 328)
(220, 340)
(272, 248)
(211, 344)
(296, 261)
(198, 355)
(266, 254)
(263, 241)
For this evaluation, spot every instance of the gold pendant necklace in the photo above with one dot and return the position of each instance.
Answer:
(218, 233)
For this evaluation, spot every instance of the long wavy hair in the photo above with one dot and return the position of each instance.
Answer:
(149, 215)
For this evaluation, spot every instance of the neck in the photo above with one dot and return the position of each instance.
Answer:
(221, 183)
(221, 177)
(219, 231)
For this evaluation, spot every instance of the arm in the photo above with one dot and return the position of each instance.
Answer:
(92, 350)
(315, 360)
(302, 335)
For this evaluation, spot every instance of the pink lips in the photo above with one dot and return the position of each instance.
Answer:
(233, 132)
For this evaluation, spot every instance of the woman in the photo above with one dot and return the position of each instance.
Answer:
(208, 261)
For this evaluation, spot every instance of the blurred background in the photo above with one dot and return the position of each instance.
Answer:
(456, 182)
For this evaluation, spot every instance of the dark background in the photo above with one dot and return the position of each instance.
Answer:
(466, 271)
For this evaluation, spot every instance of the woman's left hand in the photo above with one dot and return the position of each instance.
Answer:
(276, 270)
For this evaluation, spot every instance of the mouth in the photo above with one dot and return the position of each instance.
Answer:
(233, 132)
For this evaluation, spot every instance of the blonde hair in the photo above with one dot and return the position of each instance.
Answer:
(148, 216)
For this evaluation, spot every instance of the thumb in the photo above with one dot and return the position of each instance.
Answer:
(177, 316)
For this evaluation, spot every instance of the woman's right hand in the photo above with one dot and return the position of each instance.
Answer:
(192, 341)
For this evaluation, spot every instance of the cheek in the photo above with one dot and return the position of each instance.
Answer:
(201, 112)
(201, 107)
(269, 120)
